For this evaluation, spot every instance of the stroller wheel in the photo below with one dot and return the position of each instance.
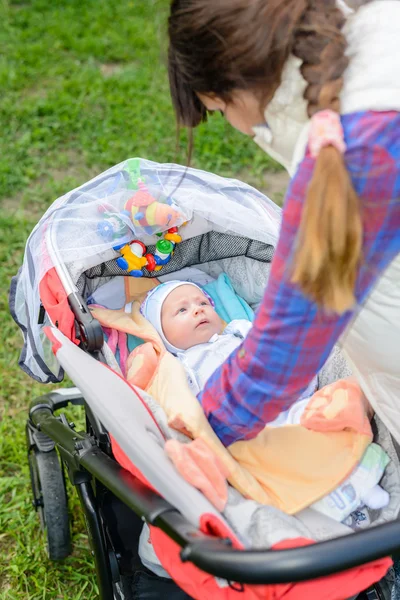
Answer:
(50, 501)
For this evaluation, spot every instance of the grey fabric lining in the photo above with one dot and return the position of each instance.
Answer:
(197, 250)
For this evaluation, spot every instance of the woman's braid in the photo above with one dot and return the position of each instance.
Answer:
(320, 44)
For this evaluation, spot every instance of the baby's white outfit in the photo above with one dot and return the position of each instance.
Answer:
(202, 360)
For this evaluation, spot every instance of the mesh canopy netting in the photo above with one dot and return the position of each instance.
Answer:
(217, 218)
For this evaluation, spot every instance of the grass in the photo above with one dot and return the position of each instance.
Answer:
(83, 86)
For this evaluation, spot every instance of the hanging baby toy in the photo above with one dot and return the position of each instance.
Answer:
(147, 214)
(135, 257)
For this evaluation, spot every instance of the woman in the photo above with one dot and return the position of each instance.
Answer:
(318, 87)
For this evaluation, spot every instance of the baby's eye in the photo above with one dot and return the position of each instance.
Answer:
(182, 310)
(204, 303)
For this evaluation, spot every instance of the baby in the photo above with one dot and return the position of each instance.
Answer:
(185, 318)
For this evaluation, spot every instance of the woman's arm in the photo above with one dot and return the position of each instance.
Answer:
(291, 338)
(287, 345)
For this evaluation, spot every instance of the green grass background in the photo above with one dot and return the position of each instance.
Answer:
(83, 86)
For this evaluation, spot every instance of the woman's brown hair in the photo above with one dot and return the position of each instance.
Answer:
(219, 46)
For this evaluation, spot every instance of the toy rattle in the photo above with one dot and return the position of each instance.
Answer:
(135, 256)
(148, 215)
(112, 227)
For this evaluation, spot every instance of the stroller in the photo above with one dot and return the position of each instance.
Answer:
(141, 220)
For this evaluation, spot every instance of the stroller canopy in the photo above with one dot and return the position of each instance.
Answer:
(77, 237)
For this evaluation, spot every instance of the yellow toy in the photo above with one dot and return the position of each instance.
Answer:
(132, 258)
(135, 256)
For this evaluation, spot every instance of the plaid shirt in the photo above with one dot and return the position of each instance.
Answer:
(291, 338)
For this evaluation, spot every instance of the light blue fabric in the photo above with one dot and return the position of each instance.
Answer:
(133, 342)
(228, 304)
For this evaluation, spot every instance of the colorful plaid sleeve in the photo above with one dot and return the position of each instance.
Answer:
(291, 339)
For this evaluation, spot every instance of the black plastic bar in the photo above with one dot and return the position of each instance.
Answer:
(91, 332)
(76, 449)
(250, 566)
(97, 541)
(127, 488)
(57, 399)
(42, 417)
(212, 554)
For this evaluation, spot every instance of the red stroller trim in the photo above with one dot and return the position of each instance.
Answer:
(55, 301)
(203, 586)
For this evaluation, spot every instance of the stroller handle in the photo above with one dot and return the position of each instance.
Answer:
(295, 564)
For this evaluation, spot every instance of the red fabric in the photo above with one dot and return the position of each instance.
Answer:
(202, 586)
(55, 302)
(55, 343)
(212, 525)
(198, 584)
(333, 587)
(127, 464)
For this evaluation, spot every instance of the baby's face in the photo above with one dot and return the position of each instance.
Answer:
(187, 317)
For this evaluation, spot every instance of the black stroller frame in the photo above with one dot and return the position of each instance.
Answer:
(103, 485)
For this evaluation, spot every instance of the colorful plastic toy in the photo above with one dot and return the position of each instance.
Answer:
(135, 256)
(132, 258)
(112, 227)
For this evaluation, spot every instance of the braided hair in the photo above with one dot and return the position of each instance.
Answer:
(329, 240)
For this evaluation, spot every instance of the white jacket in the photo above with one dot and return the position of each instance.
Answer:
(371, 82)
(372, 347)
(371, 343)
